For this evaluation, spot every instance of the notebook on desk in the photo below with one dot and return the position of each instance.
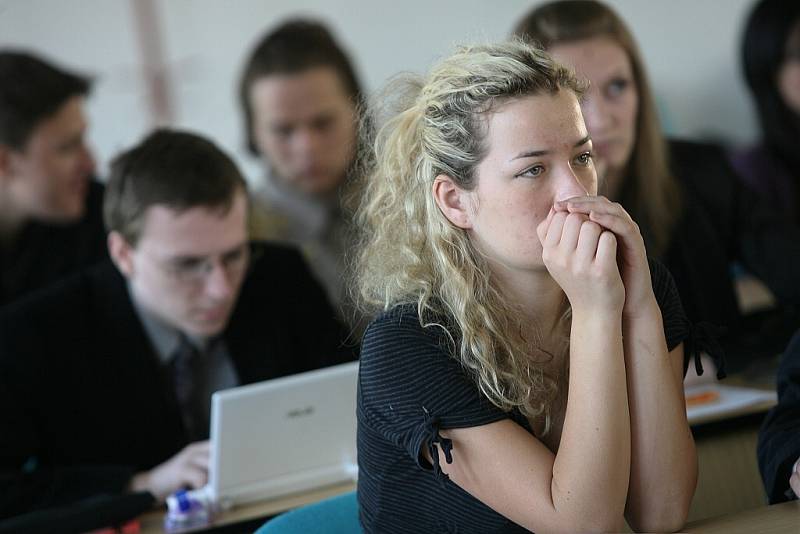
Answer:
(713, 401)
(283, 436)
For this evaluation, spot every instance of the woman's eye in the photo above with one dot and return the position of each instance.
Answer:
(584, 159)
(617, 86)
(532, 172)
(282, 131)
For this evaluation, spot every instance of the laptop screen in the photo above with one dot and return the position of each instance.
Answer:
(283, 436)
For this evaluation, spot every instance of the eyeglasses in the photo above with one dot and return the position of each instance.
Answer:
(195, 270)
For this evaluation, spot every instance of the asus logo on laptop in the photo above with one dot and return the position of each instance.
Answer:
(300, 412)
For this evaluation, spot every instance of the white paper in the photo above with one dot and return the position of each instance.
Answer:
(732, 399)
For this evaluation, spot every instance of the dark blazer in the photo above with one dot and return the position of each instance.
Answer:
(84, 401)
(779, 438)
(43, 253)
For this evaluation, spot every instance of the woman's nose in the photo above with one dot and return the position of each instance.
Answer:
(569, 185)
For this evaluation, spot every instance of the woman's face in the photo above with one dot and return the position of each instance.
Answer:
(538, 152)
(304, 125)
(789, 72)
(611, 104)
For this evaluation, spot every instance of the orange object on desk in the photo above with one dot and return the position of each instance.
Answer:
(704, 397)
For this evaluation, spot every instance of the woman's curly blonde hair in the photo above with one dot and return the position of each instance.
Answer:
(409, 252)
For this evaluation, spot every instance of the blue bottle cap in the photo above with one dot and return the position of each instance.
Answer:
(184, 503)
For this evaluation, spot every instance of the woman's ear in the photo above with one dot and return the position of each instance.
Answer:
(452, 200)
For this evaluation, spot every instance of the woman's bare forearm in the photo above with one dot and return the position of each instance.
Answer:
(663, 456)
(591, 468)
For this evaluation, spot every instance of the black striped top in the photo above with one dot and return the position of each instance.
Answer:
(409, 388)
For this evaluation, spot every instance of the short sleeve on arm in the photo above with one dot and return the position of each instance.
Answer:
(678, 329)
(410, 386)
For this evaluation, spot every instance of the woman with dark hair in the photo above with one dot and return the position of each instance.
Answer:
(299, 96)
(771, 61)
(694, 213)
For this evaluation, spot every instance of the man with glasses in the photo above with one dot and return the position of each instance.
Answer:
(106, 379)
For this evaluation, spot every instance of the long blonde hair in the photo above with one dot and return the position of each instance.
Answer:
(409, 252)
(654, 192)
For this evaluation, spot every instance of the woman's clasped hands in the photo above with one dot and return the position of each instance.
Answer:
(595, 252)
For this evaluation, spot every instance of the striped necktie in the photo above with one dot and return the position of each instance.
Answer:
(189, 369)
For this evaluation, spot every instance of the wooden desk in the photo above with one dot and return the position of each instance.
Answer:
(728, 476)
(728, 481)
(775, 519)
(250, 516)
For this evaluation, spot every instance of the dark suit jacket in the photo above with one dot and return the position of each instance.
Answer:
(779, 438)
(84, 401)
(44, 253)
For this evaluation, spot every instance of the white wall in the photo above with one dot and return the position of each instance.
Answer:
(690, 46)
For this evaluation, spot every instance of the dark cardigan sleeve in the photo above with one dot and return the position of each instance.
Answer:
(779, 438)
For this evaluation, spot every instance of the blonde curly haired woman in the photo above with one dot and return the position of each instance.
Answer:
(524, 370)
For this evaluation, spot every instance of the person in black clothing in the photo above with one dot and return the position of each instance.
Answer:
(694, 213)
(106, 377)
(50, 208)
(525, 369)
(770, 59)
(779, 437)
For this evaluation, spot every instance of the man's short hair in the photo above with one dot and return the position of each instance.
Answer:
(293, 47)
(175, 169)
(32, 90)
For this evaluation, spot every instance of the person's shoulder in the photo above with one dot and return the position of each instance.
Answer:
(401, 324)
(663, 283)
(268, 221)
(262, 248)
(396, 343)
(689, 148)
(63, 297)
(658, 271)
(277, 270)
(665, 289)
(749, 161)
(705, 174)
(749, 154)
(789, 369)
(63, 318)
(689, 159)
(401, 315)
(761, 169)
(270, 258)
(676, 325)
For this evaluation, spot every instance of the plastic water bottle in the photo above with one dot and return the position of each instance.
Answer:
(188, 509)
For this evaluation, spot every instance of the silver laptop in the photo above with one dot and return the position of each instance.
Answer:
(283, 436)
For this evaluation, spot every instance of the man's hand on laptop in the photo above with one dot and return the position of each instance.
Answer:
(187, 469)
